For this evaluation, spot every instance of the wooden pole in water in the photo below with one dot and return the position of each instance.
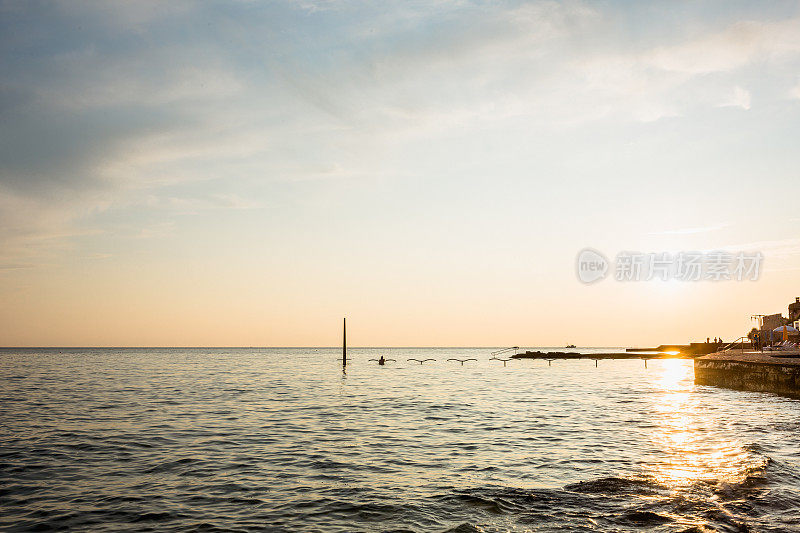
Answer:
(344, 342)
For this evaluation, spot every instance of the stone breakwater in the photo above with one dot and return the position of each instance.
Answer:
(750, 371)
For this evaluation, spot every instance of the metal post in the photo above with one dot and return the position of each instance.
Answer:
(344, 342)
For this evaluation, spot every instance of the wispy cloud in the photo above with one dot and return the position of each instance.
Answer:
(185, 205)
(777, 249)
(15, 266)
(731, 48)
(691, 230)
(739, 97)
(794, 92)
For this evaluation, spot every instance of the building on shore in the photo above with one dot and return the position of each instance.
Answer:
(768, 323)
(769, 365)
(794, 313)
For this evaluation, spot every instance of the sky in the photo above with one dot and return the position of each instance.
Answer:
(248, 173)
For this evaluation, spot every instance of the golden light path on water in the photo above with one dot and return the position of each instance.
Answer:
(693, 448)
(243, 439)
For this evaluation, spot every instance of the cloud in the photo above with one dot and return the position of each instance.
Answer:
(36, 228)
(732, 48)
(776, 248)
(14, 266)
(105, 106)
(739, 97)
(536, 62)
(692, 230)
(186, 205)
(794, 92)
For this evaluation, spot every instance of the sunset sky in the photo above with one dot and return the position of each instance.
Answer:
(248, 173)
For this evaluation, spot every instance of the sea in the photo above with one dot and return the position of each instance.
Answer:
(282, 439)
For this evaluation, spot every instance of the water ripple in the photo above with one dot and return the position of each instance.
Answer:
(280, 440)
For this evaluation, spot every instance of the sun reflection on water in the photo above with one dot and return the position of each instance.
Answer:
(691, 444)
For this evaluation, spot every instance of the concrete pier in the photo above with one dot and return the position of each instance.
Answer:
(693, 348)
(611, 355)
(751, 371)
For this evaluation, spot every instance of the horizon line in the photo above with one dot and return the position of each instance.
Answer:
(338, 347)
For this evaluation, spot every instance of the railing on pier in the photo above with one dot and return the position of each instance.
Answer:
(495, 353)
(732, 346)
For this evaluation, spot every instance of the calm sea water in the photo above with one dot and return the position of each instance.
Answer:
(281, 440)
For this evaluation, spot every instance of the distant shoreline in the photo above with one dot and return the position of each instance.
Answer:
(291, 347)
